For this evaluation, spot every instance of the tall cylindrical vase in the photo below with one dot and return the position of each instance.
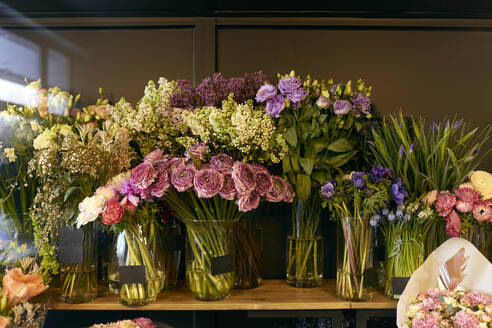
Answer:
(136, 269)
(353, 259)
(77, 254)
(305, 245)
(248, 260)
(479, 235)
(209, 258)
(173, 238)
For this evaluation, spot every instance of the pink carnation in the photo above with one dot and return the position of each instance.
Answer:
(453, 224)
(464, 319)
(475, 298)
(465, 199)
(482, 211)
(430, 320)
(445, 203)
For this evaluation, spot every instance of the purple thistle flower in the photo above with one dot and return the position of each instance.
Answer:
(398, 191)
(275, 106)
(358, 179)
(288, 85)
(380, 173)
(182, 177)
(328, 189)
(208, 183)
(266, 92)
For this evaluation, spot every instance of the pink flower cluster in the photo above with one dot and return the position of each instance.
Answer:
(464, 200)
(135, 323)
(443, 308)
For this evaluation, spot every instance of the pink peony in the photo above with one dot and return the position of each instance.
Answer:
(277, 193)
(182, 177)
(154, 156)
(161, 185)
(113, 212)
(445, 203)
(464, 319)
(244, 178)
(475, 298)
(143, 175)
(228, 190)
(465, 199)
(453, 224)
(144, 323)
(249, 202)
(208, 183)
(482, 211)
(222, 163)
(264, 181)
(429, 320)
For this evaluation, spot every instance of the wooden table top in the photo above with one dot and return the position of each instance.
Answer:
(272, 295)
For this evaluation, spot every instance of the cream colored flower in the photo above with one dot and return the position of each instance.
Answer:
(430, 198)
(64, 129)
(105, 192)
(44, 140)
(10, 153)
(90, 208)
(118, 180)
(482, 182)
(34, 125)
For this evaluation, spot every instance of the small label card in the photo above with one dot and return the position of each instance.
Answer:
(222, 264)
(70, 245)
(132, 274)
(398, 284)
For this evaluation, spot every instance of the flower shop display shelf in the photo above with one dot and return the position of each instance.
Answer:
(272, 295)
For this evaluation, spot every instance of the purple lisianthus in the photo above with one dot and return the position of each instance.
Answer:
(154, 156)
(143, 175)
(182, 177)
(359, 179)
(244, 177)
(249, 201)
(275, 106)
(196, 151)
(228, 190)
(174, 163)
(323, 102)
(363, 103)
(380, 173)
(266, 92)
(277, 192)
(297, 95)
(398, 191)
(208, 183)
(222, 163)
(160, 186)
(289, 84)
(342, 107)
(328, 189)
(264, 181)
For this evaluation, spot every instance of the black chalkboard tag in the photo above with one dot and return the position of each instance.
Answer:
(222, 264)
(70, 245)
(132, 274)
(398, 284)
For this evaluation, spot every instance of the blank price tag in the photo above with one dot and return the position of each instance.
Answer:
(70, 245)
(222, 264)
(398, 284)
(132, 274)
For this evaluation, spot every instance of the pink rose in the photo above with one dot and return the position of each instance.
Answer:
(113, 212)
(453, 224)
(143, 175)
(445, 203)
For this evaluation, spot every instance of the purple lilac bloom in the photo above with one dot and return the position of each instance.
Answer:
(398, 191)
(328, 189)
(277, 192)
(288, 85)
(380, 173)
(212, 90)
(236, 86)
(252, 82)
(228, 190)
(323, 102)
(222, 163)
(182, 177)
(244, 177)
(358, 179)
(208, 183)
(184, 96)
(264, 180)
(342, 107)
(249, 201)
(275, 106)
(297, 95)
(363, 102)
(196, 151)
(267, 91)
(143, 175)
(160, 186)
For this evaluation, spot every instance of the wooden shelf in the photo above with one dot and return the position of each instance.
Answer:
(273, 295)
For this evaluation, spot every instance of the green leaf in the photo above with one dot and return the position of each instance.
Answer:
(295, 164)
(319, 145)
(303, 186)
(291, 136)
(322, 118)
(286, 167)
(341, 145)
(307, 113)
(340, 160)
(307, 165)
(69, 192)
(319, 176)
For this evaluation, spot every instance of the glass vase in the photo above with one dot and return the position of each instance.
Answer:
(172, 248)
(136, 267)
(353, 259)
(305, 245)
(209, 258)
(479, 235)
(78, 264)
(248, 260)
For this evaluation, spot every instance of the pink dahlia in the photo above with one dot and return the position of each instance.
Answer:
(445, 203)
(453, 224)
(482, 211)
(464, 319)
(465, 199)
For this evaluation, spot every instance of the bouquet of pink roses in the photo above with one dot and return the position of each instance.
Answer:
(445, 308)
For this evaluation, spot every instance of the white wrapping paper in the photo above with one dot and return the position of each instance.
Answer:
(478, 274)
